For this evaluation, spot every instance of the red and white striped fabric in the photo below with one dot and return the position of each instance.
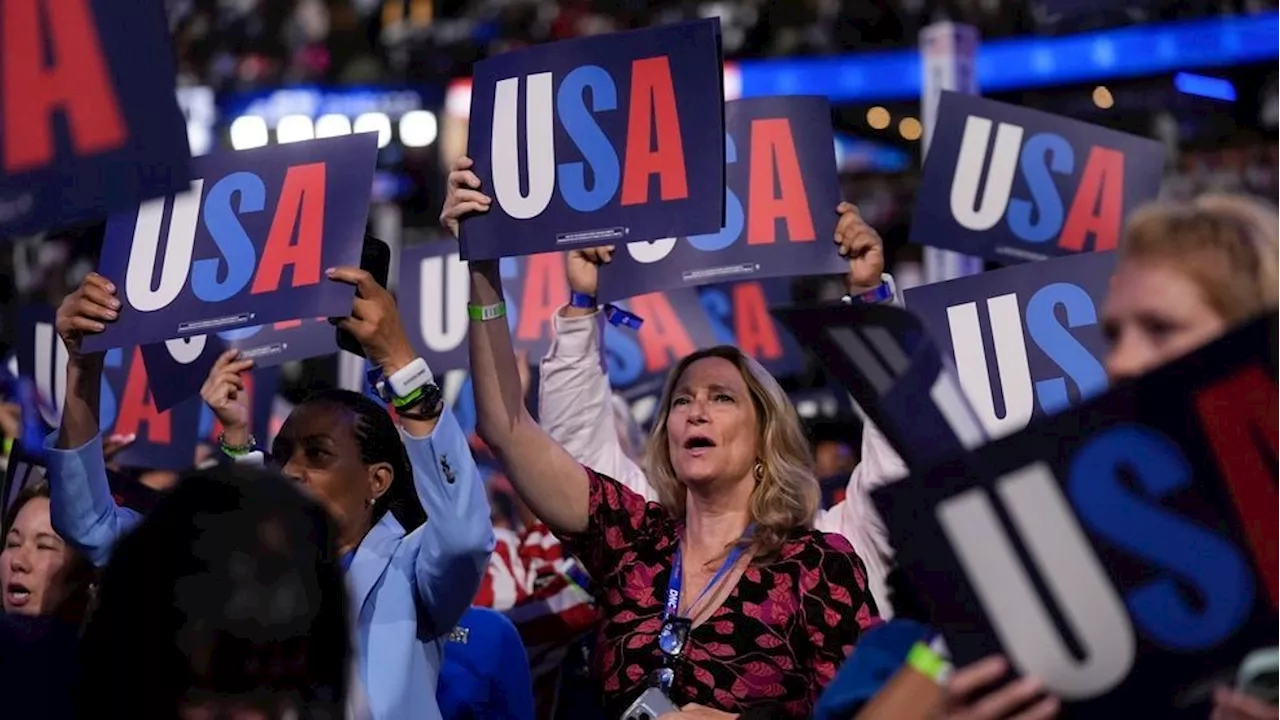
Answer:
(529, 580)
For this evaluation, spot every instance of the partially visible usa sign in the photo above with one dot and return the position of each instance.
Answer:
(1011, 184)
(780, 207)
(89, 122)
(166, 439)
(185, 363)
(1123, 552)
(739, 316)
(1026, 340)
(892, 368)
(622, 138)
(246, 245)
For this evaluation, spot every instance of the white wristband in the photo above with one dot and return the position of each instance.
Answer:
(410, 377)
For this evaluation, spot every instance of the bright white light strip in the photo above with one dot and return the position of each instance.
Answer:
(248, 131)
(333, 125)
(295, 128)
(375, 121)
(418, 128)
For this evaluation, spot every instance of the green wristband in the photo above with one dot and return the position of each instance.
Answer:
(6, 447)
(481, 313)
(925, 661)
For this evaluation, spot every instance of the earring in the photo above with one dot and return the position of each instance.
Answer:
(759, 471)
(369, 502)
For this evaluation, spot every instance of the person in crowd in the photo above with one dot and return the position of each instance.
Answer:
(1186, 274)
(722, 595)
(40, 573)
(410, 581)
(227, 601)
(485, 672)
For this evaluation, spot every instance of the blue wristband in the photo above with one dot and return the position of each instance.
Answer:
(582, 300)
(621, 318)
(882, 293)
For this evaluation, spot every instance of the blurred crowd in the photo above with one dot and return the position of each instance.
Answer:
(250, 43)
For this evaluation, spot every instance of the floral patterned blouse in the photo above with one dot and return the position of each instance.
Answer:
(775, 642)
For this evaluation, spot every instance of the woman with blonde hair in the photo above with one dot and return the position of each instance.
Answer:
(1187, 273)
(721, 596)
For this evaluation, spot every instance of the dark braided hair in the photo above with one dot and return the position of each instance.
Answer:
(379, 442)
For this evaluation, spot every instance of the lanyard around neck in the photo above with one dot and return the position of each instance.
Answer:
(675, 584)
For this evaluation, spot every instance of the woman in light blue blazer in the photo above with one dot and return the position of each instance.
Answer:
(410, 582)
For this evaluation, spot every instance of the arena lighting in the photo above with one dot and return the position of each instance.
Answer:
(878, 118)
(295, 128)
(332, 125)
(1205, 86)
(1103, 98)
(375, 121)
(418, 128)
(248, 131)
(910, 128)
(1024, 63)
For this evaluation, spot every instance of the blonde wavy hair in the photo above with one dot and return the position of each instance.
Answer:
(1227, 245)
(786, 495)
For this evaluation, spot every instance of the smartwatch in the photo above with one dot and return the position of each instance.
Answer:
(411, 386)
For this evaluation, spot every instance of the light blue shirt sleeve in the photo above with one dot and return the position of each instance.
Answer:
(457, 539)
(81, 508)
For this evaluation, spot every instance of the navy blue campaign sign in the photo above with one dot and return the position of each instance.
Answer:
(89, 122)
(595, 140)
(892, 368)
(739, 316)
(1026, 340)
(1124, 551)
(1011, 184)
(166, 440)
(246, 245)
(184, 363)
(780, 207)
(434, 286)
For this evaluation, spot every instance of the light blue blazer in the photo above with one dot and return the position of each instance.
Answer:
(408, 591)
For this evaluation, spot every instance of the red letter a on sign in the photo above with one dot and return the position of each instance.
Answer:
(301, 205)
(773, 153)
(653, 107)
(77, 83)
(138, 407)
(1239, 416)
(1099, 203)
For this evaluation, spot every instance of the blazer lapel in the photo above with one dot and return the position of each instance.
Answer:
(372, 558)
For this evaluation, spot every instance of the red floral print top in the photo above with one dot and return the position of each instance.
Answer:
(775, 642)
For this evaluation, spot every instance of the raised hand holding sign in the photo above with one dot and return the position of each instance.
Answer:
(623, 139)
(126, 406)
(245, 246)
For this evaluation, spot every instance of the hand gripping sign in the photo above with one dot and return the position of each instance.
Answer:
(246, 245)
(166, 439)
